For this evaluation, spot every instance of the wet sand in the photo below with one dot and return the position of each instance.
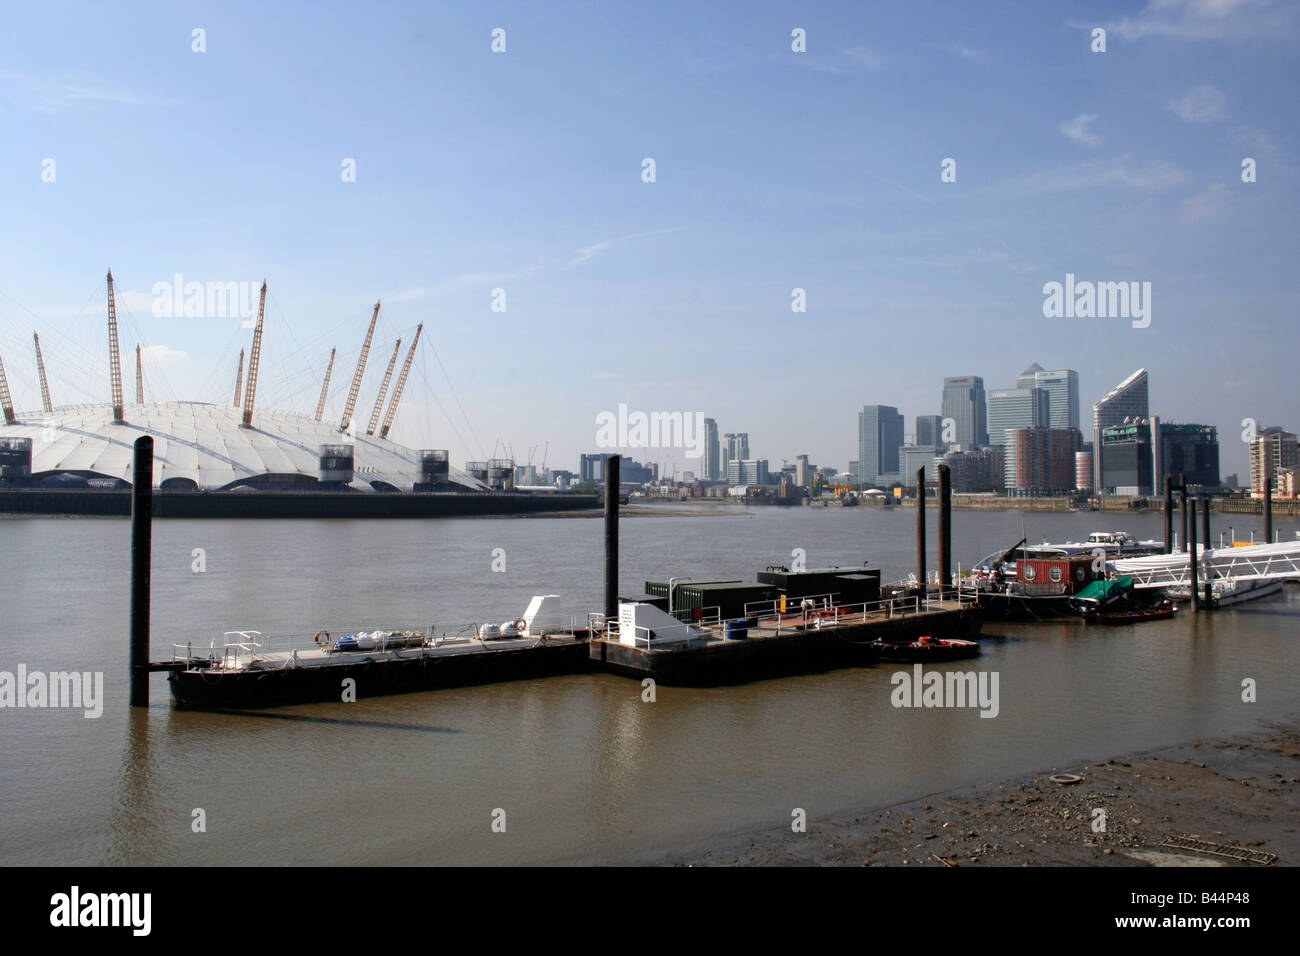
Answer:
(1241, 791)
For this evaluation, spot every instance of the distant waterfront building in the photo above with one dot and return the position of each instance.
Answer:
(920, 456)
(748, 472)
(1040, 461)
(880, 439)
(980, 470)
(964, 402)
(592, 467)
(1083, 470)
(803, 471)
(929, 430)
(1272, 452)
(735, 445)
(1126, 400)
(712, 451)
(1011, 408)
(1140, 452)
(1062, 387)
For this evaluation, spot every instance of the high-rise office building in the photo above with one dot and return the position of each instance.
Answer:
(880, 436)
(712, 451)
(1011, 408)
(1129, 400)
(1062, 387)
(803, 472)
(1141, 451)
(964, 402)
(741, 471)
(1040, 461)
(735, 445)
(929, 430)
(1272, 452)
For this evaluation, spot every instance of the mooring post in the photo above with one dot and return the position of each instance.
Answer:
(141, 551)
(1182, 491)
(1205, 543)
(1268, 510)
(611, 539)
(945, 529)
(1169, 513)
(920, 528)
(1191, 557)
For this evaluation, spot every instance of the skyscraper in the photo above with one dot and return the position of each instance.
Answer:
(712, 451)
(1062, 387)
(965, 404)
(880, 436)
(1021, 407)
(1272, 452)
(929, 430)
(735, 445)
(1128, 399)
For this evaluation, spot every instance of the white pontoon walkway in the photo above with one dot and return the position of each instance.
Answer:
(1281, 560)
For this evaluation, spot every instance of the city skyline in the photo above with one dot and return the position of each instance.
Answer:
(1105, 167)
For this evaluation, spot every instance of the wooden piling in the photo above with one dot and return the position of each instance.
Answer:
(1268, 510)
(611, 538)
(1205, 541)
(1190, 511)
(141, 553)
(920, 528)
(1169, 513)
(945, 529)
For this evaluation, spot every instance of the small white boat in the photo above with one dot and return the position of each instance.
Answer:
(1229, 591)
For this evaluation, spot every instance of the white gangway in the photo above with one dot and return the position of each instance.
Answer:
(1281, 560)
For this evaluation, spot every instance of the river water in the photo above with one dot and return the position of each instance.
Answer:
(582, 769)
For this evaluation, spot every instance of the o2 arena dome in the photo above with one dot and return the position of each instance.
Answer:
(203, 447)
(209, 448)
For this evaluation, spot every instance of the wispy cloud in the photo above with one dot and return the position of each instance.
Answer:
(1262, 147)
(1203, 104)
(1203, 20)
(1077, 130)
(1209, 204)
(161, 355)
(867, 58)
(1117, 171)
(853, 60)
(596, 248)
(478, 278)
(48, 94)
(969, 54)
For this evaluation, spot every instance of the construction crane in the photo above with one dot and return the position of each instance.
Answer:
(239, 378)
(383, 390)
(401, 384)
(355, 390)
(40, 372)
(254, 359)
(114, 357)
(325, 388)
(5, 399)
(139, 377)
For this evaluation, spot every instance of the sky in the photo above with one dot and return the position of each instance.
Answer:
(123, 146)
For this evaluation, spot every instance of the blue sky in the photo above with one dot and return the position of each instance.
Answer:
(774, 170)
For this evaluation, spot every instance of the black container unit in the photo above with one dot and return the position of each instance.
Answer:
(850, 585)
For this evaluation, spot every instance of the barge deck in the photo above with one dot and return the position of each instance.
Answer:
(780, 644)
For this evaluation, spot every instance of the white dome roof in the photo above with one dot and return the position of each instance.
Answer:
(207, 444)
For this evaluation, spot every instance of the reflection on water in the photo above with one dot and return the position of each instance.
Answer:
(584, 769)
